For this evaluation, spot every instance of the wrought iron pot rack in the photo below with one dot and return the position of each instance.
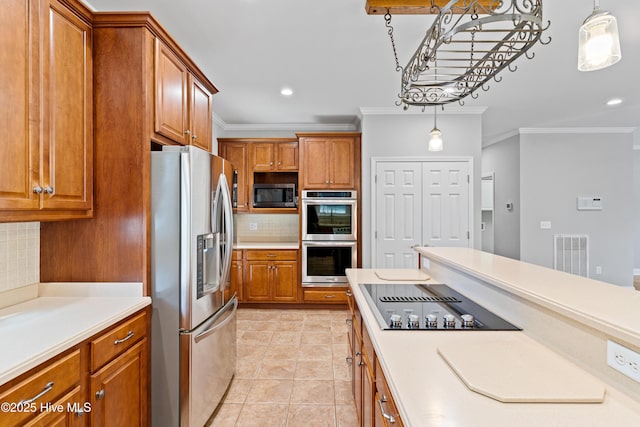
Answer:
(463, 50)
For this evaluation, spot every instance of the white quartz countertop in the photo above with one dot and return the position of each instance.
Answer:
(61, 316)
(609, 308)
(266, 245)
(429, 393)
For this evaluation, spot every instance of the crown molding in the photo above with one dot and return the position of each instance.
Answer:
(524, 131)
(500, 138)
(292, 127)
(388, 111)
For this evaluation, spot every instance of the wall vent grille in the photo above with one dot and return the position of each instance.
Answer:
(571, 253)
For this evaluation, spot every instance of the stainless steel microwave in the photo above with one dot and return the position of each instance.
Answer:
(274, 196)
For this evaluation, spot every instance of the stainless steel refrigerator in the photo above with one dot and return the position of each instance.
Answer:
(193, 329)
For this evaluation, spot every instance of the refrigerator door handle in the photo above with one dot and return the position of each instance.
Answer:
(228, 231)
(224, 316)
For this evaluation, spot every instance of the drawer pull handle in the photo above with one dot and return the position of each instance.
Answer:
(128, 337)
(329, 296)
(47, 388)
(271, 255)
(386, 416)
(349, 293)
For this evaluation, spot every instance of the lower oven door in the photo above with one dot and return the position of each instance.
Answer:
(324, 263)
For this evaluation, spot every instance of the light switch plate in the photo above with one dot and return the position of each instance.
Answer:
(623, 360)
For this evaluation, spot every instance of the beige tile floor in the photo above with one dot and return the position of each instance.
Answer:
(291, 371)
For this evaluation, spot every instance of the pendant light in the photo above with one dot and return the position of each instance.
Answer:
(599, 43)
(435, 142)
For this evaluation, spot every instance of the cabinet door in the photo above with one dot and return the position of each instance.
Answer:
(18, 30)
(368, 394)
(236, 153)
(285, 281)
(119, 390)
(171, 95)
(67, 154)
(357, 376)
(235, 286)
(66, 412)
(262, 156)
(258, 277)
(287, 156)
(341, 163)
(315, 174)
(200, 115)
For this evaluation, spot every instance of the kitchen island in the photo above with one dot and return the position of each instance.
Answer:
(567, 317)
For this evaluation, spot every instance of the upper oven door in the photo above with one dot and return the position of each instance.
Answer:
(329, 219)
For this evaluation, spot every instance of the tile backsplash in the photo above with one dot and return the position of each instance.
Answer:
(19, 254)
(265, 227)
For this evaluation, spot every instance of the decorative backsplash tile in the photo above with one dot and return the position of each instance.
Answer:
(19, 254)
(265, 227)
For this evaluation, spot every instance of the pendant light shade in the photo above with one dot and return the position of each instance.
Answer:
(435, 142)
(599, 43)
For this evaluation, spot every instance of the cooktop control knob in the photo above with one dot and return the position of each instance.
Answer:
(395, 321)
(413, 321)
(431, 321)
(468, 321)
(449, 321)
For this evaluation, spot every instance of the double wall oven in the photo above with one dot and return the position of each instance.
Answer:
(329, 236)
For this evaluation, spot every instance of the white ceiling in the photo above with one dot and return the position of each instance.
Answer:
(338, 59)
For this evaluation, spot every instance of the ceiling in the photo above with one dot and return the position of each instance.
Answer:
(337, 59)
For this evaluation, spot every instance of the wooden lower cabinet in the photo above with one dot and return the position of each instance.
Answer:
(119, 390)
(325, 295)
(103, 381)
(373, 400)
(236, 278)
(271, 276)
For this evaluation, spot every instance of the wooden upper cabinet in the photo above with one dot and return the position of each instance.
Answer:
(237, 154)
(200, 115)
(47, 100)
(171, 95)
(183, 104)
(277, 156)
(67, 146)
(19, 149)
(329, 161)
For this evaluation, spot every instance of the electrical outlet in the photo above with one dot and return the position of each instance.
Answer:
(598, 270)
(623, 360)
(253, 226)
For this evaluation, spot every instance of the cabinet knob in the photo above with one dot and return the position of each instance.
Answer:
(279, 163)
(187, 132)
(194, 137)
(48, 190)
(270, 163)
(326, 182)
(100, 394)
(37, 189)
(330, 182)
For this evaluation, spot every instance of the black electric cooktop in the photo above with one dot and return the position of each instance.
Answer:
(426, 307)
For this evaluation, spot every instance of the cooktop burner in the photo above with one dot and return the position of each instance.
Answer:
(405, 306)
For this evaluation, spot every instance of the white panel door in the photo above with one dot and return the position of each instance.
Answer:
(398, 214)
(445, 204)
(419, 203)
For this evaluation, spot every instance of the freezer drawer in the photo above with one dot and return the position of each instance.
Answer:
(208, 359)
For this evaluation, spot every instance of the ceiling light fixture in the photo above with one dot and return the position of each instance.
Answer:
(435, 142)
(286, 91)
(598, 42)
(474, 41)
(614, 101)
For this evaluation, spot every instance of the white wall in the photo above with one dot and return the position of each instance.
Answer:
(406, 134)
(556, 168)
(636, 199)
(503, 159)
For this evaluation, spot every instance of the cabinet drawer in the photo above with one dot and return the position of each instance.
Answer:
(236, 255)
(68, 412)
(337, 296)
(46, 385)
(117, 340)
(384, 401)
(280, 255)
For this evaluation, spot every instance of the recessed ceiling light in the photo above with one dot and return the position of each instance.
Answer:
(286, 91)
(614, 101)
